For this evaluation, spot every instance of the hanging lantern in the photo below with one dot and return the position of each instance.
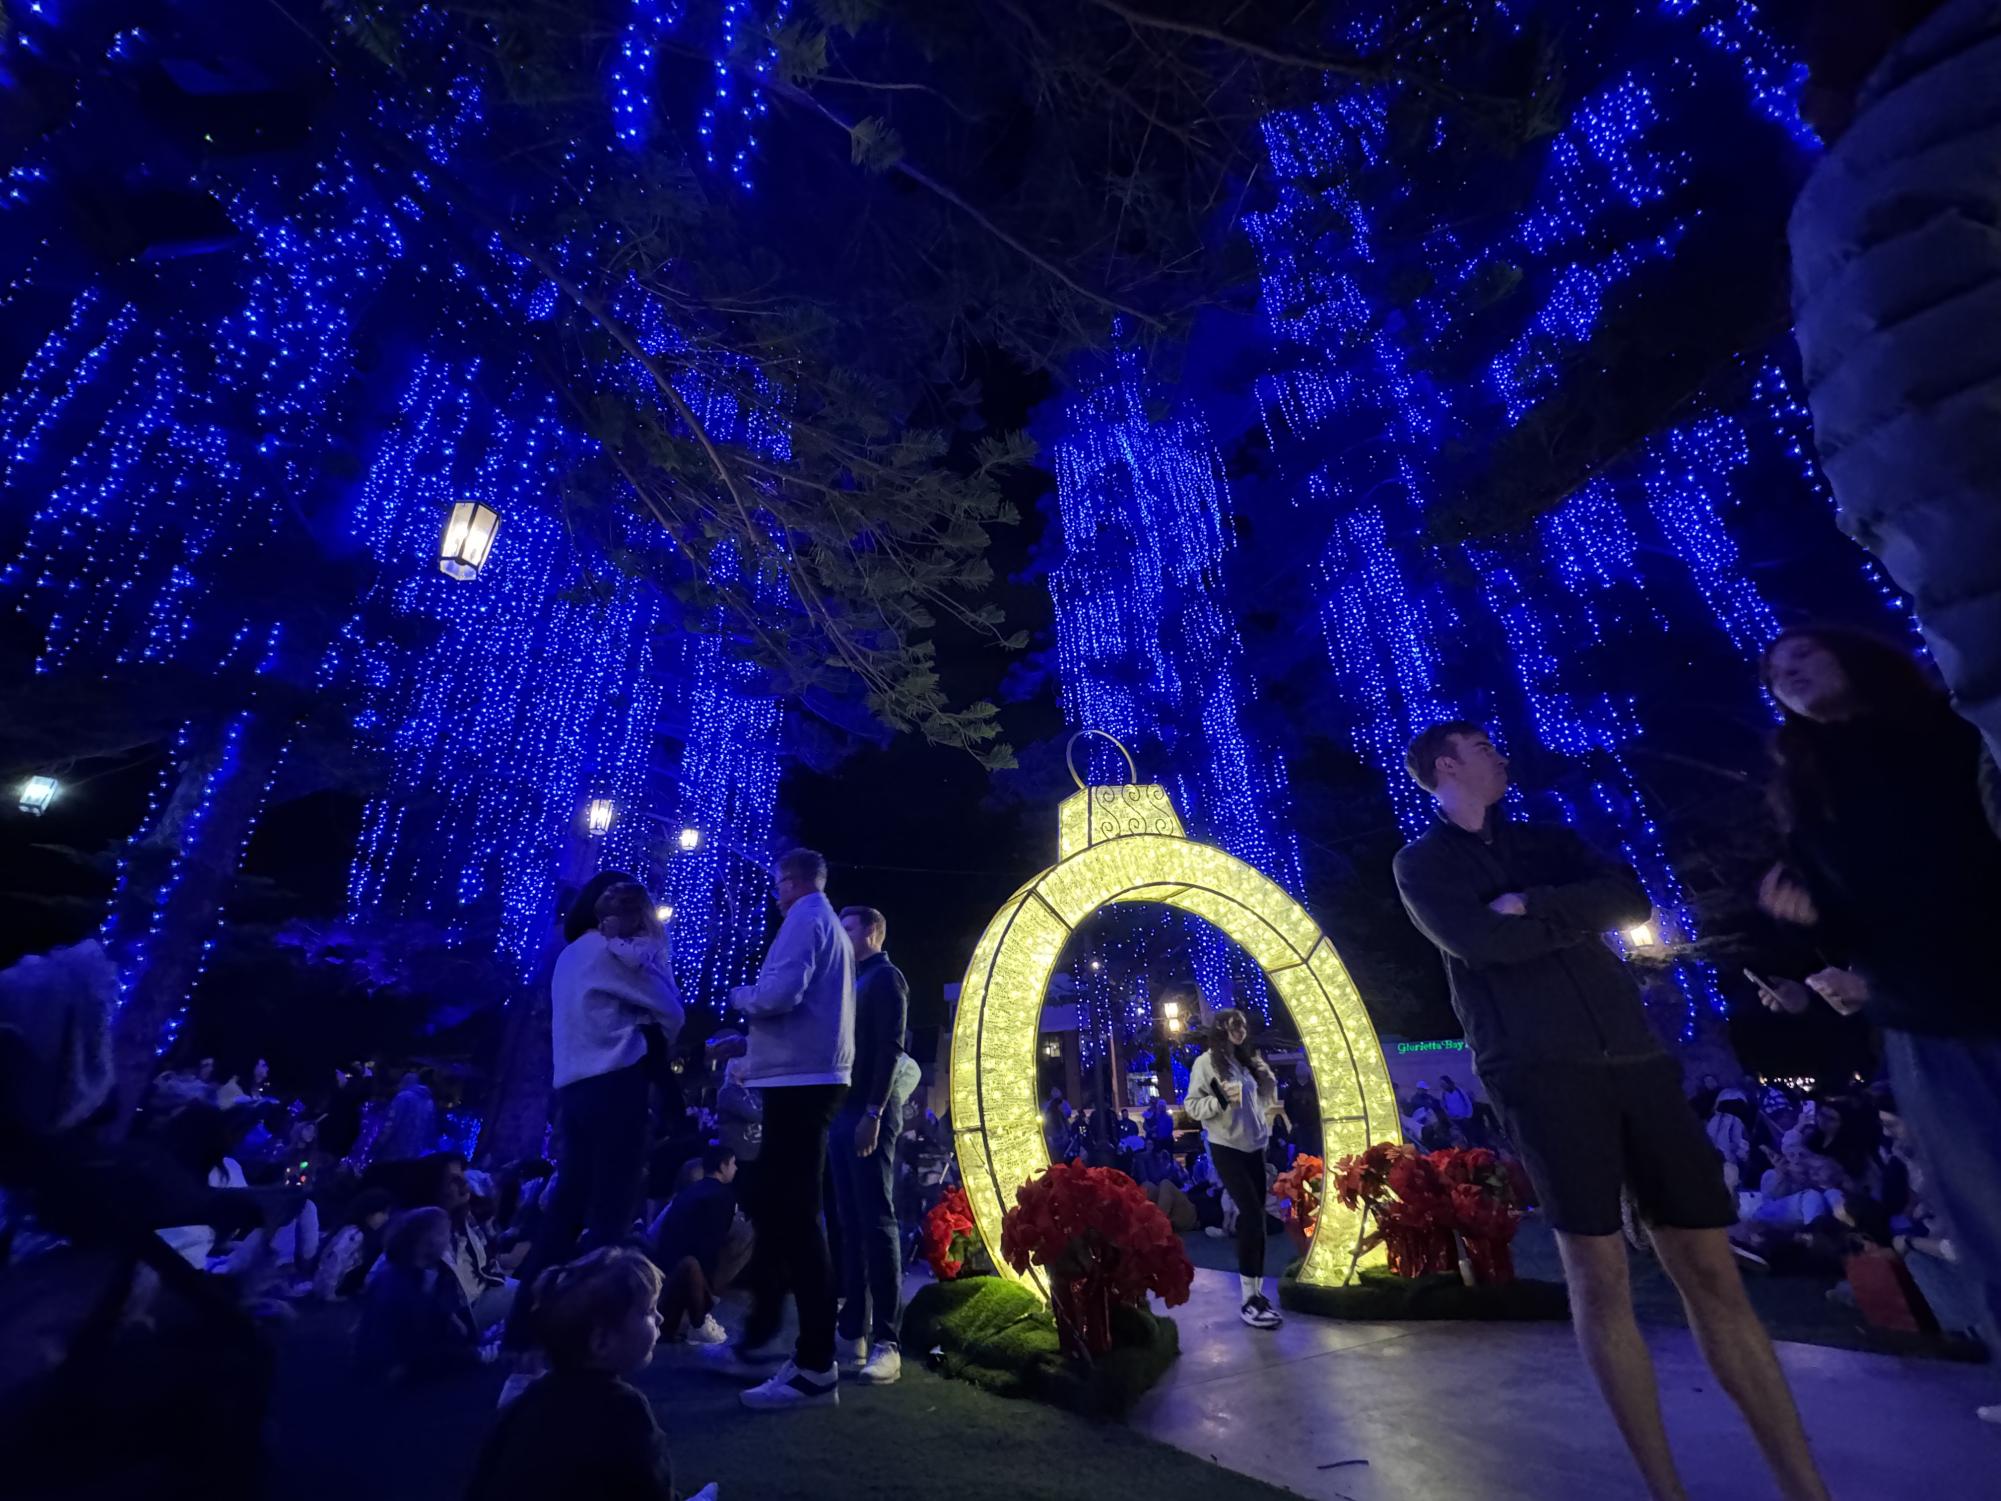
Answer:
(691, 839)
(1642, 936)
(468, 539)
(664, 912)
(597, 815)
(37, 793)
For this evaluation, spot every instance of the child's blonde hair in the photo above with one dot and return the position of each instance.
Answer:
(575, 1302)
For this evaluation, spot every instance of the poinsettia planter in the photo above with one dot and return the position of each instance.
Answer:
(1083, 1310)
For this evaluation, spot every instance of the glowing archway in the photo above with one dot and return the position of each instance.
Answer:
(1126, 844)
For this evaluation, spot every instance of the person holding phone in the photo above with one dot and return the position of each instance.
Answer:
(1884, 801)
(1233, 1094)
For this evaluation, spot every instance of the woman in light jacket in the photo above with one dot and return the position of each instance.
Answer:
(1234, 1094)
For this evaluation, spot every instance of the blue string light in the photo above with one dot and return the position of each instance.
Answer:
(172, 454)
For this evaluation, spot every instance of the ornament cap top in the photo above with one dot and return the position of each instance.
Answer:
(1070, 756)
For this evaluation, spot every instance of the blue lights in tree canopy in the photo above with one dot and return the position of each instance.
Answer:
(726, 124)
(207, 454)
(1370, 393)
(1147, 650)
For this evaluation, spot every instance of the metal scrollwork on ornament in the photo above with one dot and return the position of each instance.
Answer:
(1119, 811)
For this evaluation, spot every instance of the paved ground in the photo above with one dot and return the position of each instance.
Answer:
(1505, 1412)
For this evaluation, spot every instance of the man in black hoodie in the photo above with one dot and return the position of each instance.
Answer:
(862, 1151)
(1589, 1097)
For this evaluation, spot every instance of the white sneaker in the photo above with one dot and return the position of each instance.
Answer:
(706, 1493)
(1259, 1314)
(735, 1360)
(708, 1332)
(1214, 1232)
(849, 1354)
(885, 1365)
(793, 1388)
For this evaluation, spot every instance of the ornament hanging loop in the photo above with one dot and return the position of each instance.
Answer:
(1070, 756)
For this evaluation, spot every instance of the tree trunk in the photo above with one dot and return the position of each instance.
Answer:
(177, 873)
(517, 1114)
(518, 1109)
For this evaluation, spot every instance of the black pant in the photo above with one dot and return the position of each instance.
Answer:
(791, 1253)
(871, 1249)
(600, 1173)
(1243, 1177)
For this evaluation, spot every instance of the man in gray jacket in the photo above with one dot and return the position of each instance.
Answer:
(801, 1015)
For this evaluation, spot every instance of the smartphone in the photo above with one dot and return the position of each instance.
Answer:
(1760, 981)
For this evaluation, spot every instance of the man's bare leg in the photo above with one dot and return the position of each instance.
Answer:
(1739, 1351)
(1601, 1310)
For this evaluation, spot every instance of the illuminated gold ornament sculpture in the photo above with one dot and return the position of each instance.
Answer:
(1126, 844)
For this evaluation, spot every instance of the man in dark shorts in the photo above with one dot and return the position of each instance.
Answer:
(1587, 1094)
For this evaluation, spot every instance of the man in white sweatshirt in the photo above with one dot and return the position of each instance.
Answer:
(801, 1023)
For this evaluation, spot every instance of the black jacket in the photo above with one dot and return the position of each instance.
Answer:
(575, 1434)
(1545, 987)
(882, 1011)
(696, 1222)
(1895, 847)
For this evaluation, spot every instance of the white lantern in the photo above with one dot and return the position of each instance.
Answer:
(1171, 1009)
(1642, 936)
(691, 839)
(37, 793)
(597, 815)
(468, 539)
(664, 912)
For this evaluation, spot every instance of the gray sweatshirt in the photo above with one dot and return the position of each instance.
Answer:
(1246, 1126)
(801, 1007)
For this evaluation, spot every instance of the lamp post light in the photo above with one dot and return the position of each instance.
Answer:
(1642, 936)
(37, 793)
(664, 912)
(468, 539)
(597, 816)
(690, 839)
(1172, 1011)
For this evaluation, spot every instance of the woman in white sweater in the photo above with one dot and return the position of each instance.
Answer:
(1234, 1094)
(602, 999)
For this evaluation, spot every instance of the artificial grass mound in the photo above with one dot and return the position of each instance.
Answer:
(999, 1336)
(1381, 1295)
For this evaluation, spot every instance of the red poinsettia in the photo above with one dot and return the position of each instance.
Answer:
(1102, 1243)
(948, 1232)
(1421, 1200)
(1300, 1184)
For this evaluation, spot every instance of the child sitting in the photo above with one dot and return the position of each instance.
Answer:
(582, 1429)
(352, 1251)
(414, 1318)
(690, 1238)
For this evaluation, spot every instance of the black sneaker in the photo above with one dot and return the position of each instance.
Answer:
(1259, 1314)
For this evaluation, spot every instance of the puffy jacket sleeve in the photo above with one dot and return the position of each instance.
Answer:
(1602, 896)
(1447, 908)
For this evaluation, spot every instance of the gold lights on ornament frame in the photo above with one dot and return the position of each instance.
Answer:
(468, 538)
(1126, 843)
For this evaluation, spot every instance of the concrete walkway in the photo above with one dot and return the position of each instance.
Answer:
(1506, 1412)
